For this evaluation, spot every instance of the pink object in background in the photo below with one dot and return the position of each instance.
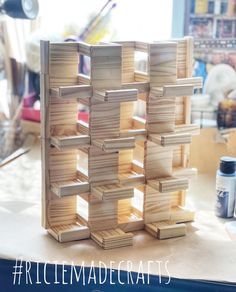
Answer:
(30, 114)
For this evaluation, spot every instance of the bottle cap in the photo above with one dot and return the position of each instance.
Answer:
(227, 164)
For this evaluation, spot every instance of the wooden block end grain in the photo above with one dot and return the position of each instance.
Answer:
(166, 229)
(67, 233)
(112, 238)
(169, 184)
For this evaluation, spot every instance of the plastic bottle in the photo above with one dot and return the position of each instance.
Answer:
(225, 187)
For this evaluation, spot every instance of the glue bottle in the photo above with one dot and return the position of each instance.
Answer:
(225, 187)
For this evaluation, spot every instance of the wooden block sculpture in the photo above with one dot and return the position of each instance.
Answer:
(117, 173)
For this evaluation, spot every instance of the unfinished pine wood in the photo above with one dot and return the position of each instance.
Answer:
(165, 229)
(73, 91)
(142, 87)
(157, 206)
(142, 46)
(63, 64)
(121, 95)
(127, 61)
(195, 81)
(170, 139)
(157, 161)
(67, 233)
(141, 76)
(112, 192)
(106, 66)
(138, 134)
(163, 58)
(103, 215)
(118, 172)
(160, 113)
(84, 49)
(45, 128)
(104, 120)
(178, 90)
(68, 142)
(102, 166)
(169, 184)
(69, 188)
(83, 79)
(116, 144)
(112, 238)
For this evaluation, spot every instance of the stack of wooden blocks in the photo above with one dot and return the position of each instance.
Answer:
(118, 173)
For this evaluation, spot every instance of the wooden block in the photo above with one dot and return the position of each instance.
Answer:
(160, 113)
(165, 229)
(83, 79)
(142, 46)
(44, 57)
(126, 115)
(189, 56)
(61, 211)
(103, 215)
(84, 49)
(104, 120)
(195, 81)
(163, 63)
(158, 161)
(63, 64)
(169, 184)
(106, 66)
(180, 214)
(170, 139)
(112, 192)
(125, 160)
(121, 95)
(181, 114)
(73, 91)
(177, 90)
(157, 205)
(62, 165)
(116, 144)
(142, 87)
(141, 76)
(66, 233)
(69, 188)
(102, 166)
(63, 117)
(127, 61)
(112, 238)
(70, 142)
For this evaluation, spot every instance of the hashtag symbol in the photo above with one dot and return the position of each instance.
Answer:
(17, 271)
